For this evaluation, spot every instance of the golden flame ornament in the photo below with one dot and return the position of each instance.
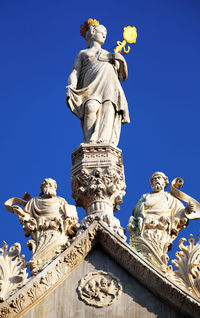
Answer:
(130, 36)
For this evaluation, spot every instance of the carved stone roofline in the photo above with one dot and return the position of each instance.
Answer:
(56, 272)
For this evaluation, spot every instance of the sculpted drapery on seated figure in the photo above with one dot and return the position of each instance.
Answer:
(47, 210)
(157, 218)
(48, 219)
(94, 93)
(160, 208)
(47, 206)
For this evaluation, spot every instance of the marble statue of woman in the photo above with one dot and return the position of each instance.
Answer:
(94, 93)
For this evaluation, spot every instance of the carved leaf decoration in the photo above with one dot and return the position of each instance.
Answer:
(18, 303)
(13, 273)
(153, 245)
(99, 184)
(32, 292)
(47, 280)
(188, 265)
(5, 312)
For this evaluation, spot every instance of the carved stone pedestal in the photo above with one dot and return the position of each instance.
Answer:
(97, 178)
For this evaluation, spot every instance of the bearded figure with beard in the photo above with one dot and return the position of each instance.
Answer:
(160, 208)
(46, 204)
(46, 211)
(156, 220)
(48, 219)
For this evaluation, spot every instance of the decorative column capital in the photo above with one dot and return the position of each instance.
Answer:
(97, 178)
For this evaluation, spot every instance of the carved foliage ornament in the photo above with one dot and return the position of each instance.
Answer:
(188, 265)
(100, 184)
(42, 284)
(5, 312)
(99, 289)
(13, 273)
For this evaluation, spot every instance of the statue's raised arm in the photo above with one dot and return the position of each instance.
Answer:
(94, 93)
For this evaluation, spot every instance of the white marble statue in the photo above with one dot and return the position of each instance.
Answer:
(48, 219)
(160, 208)
(156, 220)
(94, 93)
(47, 204)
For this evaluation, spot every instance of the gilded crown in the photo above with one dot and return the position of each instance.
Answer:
(87, 24)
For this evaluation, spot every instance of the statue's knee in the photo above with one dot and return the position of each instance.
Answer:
(92, 107)
(108, 110)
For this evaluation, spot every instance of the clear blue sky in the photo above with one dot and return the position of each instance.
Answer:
(39, 41)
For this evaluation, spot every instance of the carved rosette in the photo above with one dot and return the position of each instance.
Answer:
(99, 289)
(188, 265)
(13, 273)
(97, 178)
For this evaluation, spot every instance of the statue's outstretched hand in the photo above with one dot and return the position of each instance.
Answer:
(19, 211)
(118, 57)
(190, 207)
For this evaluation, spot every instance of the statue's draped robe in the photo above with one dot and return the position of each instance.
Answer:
(45, 207)
(153, 206)
(98, 80)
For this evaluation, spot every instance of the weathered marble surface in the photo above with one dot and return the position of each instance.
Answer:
(135, 301)
(156, 220)
(48, 219)
(94, 93)
(97, 178)
(141, 273)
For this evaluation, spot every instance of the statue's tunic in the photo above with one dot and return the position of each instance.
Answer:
(160, 203)
(159, 207)
(98, 80)
(45, 207)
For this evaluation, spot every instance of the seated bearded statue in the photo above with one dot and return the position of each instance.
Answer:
(46, 211)
(47, 206)
(159, 209)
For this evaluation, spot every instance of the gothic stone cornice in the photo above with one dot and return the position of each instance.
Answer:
(39, 286)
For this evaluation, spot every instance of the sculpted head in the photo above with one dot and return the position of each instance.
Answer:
(103, 282)
(97, 33)
(48, 188)
(158, 181)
